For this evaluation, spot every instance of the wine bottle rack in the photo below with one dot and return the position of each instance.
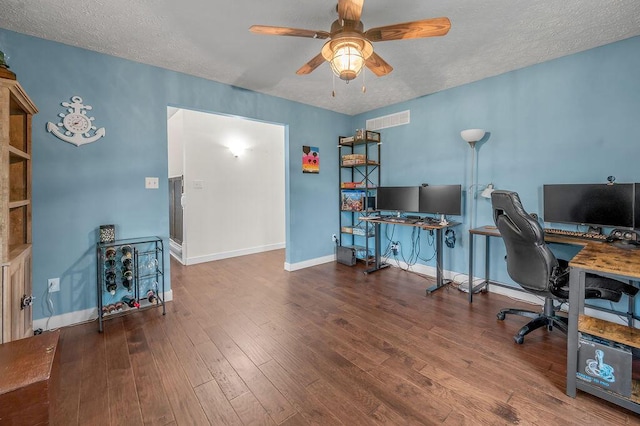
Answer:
(130, 276)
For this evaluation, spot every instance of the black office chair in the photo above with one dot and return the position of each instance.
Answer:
(534, 267)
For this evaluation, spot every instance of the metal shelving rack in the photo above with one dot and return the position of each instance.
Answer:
(147, 280)
(364, 143)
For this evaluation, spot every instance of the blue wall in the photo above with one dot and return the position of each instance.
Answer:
(76, 189)
(570, 120)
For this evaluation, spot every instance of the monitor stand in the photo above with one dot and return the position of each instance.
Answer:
(443, 221)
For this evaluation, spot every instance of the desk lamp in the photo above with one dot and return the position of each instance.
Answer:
(486, 193)
(472, 136)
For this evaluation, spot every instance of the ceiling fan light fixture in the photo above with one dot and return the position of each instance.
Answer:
(347, 56)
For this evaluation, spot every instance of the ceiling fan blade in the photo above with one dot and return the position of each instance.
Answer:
(418, 29)
(377, 65)
(286, 31)
(350, 10)
(311, 65)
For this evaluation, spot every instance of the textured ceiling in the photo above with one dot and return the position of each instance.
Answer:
(211, 39)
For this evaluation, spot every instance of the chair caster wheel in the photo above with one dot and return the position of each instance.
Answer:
(519, 339)
(501, 316)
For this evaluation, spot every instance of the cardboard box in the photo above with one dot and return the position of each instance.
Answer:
(346, 230)
(604, 364)
(357, 230)
(353, 157)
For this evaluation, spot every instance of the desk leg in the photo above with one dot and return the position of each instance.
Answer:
(487, 256)
(439, 280)
(486, 261)
(576, 306)
(471, 256)
(378, 262)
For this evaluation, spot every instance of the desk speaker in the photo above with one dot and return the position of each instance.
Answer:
(626, 235)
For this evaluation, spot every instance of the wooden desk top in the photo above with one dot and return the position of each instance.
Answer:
(602, 257)
(489, 230)
(597, 256)
(492, 231)
(421, 225)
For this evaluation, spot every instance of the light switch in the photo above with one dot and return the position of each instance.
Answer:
(151, 183)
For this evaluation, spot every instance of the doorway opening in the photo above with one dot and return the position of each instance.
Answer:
(227, 185)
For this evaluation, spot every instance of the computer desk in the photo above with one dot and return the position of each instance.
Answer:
(378, 264)
(596, 257)
(491, 231)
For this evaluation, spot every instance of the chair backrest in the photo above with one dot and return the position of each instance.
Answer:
(530, 263)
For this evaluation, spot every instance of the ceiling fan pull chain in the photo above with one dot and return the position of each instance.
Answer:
(364, 86)
(333, 80)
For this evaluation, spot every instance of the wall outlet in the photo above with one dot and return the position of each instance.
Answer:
(334, 238)
(53, 285)
(151, 183)
(395, 246)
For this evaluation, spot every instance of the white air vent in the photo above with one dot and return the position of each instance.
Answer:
(391, 120)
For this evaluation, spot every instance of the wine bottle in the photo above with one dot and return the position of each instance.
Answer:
(131, 302)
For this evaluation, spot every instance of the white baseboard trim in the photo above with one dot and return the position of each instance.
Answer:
(63, 320)
(175, 256)
(233, 253)
(522, 296)
(513, 293)
(309, 263)
(175, 250)
(420, 269)
(77, 317)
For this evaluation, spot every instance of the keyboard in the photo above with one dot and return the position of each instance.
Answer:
(430, 221)
(401, 220)
(575, 234)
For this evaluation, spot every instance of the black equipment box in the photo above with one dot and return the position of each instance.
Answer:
(604, 364)
(346, 255)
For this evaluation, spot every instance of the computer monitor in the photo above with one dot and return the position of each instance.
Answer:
(397, 198)
(441, 199)
(590, 204)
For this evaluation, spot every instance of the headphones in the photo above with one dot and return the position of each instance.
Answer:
(450, 238)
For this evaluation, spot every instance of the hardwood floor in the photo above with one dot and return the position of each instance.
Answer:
(245, 342)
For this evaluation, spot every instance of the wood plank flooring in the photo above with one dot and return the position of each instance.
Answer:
(246, 343)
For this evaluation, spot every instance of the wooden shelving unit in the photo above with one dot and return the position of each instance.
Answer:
(16, 111)
(359, 171)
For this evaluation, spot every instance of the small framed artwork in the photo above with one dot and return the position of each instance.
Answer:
(310, 159)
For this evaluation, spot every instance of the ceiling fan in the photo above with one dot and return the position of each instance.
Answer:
(350, 47)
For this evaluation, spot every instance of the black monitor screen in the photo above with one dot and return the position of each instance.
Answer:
(441, 199)
(397, 198)
(590, 204)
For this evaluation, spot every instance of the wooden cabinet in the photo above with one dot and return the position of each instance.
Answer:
(16, 111)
